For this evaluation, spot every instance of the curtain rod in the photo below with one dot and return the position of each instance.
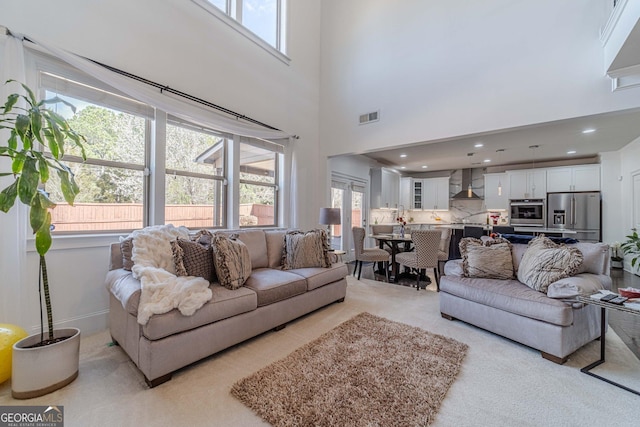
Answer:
(165, 88)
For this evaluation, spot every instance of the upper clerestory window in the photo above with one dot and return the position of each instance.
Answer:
(264, 20)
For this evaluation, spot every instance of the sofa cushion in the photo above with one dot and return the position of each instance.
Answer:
(256, 243)
(489, 259)
(584, 284)
(225, 303)
(595, 257)
(305, 250)
(275, 285)
(232, 261)
(193, 259)
(510, 296)
(544, 262)
(275, 247)
(318, 276)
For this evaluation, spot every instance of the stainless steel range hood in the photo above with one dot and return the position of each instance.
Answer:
(466, 193)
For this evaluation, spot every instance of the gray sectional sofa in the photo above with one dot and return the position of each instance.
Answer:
(269, 299)
(512, 309)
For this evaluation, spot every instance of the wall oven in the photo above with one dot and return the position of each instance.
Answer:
(527, 212)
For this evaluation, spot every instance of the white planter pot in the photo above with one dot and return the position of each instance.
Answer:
(40, 370)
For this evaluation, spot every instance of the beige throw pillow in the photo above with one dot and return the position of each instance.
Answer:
(305, 250)
(126, 247)
(232, 261)
(491, 260)
(545, 262)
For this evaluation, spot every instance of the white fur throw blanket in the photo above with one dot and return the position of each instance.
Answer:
(162, 290)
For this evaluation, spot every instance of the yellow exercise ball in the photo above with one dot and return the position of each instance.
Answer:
(9, 335)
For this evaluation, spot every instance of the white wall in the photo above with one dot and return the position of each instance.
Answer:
(177, 43)
(449, 68)
(629, 164)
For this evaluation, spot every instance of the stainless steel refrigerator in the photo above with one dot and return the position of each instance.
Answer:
(579, 212)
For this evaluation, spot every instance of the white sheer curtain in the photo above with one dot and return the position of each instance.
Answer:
(166, 101)
(13, 224)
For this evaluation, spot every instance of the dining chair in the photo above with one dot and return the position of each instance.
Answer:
(503, 229)
(471, 231)
(368, 255)
(382, 229)
(427, 245)
(443, 250)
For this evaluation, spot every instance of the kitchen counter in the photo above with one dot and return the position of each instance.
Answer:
(535, 230)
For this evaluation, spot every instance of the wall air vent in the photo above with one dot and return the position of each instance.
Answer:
(369, 117)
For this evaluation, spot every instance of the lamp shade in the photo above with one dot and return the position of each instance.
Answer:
(329, 216)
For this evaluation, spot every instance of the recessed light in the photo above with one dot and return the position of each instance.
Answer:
(424, 166)
(479, 144)
(571, 152)
(487, 160)
(403, 167)
(590, 130)
(403, 155)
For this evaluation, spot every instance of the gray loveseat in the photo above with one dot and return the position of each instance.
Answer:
(269, 299)
(512, 309)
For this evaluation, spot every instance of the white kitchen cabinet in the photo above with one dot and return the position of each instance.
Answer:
(435, 194)
(385, 189)
(573, 178)
(527, 184)
(493, 200)
(417, 194)
(406, 190)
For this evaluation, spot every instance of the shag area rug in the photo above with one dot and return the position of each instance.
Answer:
(367, 371)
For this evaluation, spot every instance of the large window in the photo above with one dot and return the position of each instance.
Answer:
(194, 187)
(263, 18)
(258, 185)
(127, 163)
(112, 180)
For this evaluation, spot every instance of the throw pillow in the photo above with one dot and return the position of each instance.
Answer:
(126, 247)
(490, 260)
(203, 237)
(544, 262)
(305, 250)
(193, 259)
(232, 261)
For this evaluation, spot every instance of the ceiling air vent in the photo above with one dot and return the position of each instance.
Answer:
(369, 117)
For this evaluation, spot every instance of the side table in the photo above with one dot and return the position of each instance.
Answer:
(603, 307)
(337, 255)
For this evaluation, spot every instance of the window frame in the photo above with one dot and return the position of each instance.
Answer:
(174, 121)
(269, 146)
(233, 18)
(58, 70)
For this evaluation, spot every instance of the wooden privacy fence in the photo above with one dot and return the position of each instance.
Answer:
(128, 216)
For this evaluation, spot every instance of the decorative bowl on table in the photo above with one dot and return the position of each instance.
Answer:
(629, 292)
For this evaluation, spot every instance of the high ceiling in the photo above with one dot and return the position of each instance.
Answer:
(555, 140)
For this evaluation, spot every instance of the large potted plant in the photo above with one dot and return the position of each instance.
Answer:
(35, 146)
(632, 247)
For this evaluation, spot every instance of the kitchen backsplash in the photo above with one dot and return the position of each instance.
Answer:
(469, 210)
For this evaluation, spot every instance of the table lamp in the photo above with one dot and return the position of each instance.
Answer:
(329, 217)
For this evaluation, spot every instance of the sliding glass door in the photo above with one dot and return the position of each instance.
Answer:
(349, 195)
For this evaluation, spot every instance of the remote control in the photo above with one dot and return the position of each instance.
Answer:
(609, 297)
(618, 300)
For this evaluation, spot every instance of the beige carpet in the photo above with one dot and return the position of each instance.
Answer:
(366, 371)
(501, 383)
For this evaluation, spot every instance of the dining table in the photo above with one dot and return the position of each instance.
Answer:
(397, 243)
